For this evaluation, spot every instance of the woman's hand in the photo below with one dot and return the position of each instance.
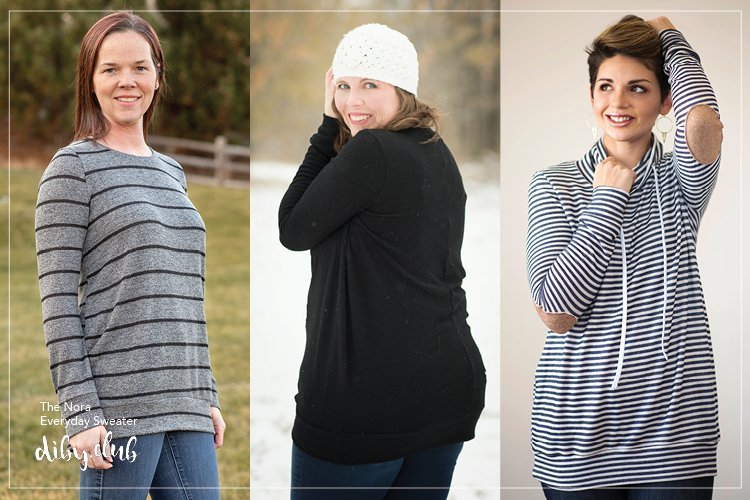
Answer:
(610, 172)
(219, 427)
(661, 23)
(329, 91)
(97, 457)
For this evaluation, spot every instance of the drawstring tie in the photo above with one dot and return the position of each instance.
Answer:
(623, 327)
(664, 268)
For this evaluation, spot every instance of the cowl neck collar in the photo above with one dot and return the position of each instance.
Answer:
(598, 152)
(645, 168)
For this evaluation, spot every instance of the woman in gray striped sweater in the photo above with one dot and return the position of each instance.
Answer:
(121, 255)
(625, 398)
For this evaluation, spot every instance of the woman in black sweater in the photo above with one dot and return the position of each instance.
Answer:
(391, 383)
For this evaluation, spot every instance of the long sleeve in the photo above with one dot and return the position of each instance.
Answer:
(566, 265)
(329, 189)
(214, 388)
(62, 214)
(214, 393)
(690, 88)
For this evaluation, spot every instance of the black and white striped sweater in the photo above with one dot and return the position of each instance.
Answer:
(628, 395)
(121, 255)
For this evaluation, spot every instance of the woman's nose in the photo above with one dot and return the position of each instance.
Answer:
(619, 99)
(355, 98)
(126, 80)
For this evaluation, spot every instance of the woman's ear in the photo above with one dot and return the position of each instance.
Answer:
(666, 104)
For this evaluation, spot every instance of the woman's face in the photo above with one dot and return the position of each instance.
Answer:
(626, 100)
(125, 78)
(365, 103)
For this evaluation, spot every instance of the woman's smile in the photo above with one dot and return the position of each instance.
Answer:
(365, 103)
(619, 120)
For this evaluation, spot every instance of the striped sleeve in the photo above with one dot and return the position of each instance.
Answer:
(214, 388)
(62, 213)
(214, 393)
(566, 264)
(690, 88)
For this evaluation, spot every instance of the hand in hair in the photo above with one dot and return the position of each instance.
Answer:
(661, 23)
(330, 88)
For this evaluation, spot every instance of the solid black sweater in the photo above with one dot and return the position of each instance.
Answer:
(390, 367)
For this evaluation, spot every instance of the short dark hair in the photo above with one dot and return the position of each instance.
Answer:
(630, 36)
(90, 122)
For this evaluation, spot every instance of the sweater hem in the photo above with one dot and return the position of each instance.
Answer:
(173, 414)
(360, 448)
(627, 466)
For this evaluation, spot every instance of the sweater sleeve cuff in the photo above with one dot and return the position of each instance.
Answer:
(330, 123)
(605, 213)
(214, 394)
(81, 413)
(326, 135)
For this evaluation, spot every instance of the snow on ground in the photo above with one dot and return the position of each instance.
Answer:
(278, 286)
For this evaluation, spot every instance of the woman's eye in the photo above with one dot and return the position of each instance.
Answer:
(142, 68)
(370, 85)
(109, 71)
(342, 86)
(605, 87)
(638, 89)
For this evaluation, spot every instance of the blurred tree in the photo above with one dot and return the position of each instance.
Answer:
(3, 83)
(208, 53)
(206, 50)
(218, 63)
(458, 42)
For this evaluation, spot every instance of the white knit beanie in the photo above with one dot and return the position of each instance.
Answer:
(378, 52)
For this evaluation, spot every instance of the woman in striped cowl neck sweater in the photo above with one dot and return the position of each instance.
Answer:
(625, 401)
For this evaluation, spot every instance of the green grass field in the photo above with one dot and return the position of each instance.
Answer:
(24, 372)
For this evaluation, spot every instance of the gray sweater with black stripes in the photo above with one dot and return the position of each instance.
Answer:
(121, 255)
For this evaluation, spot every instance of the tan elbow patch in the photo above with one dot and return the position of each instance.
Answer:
(556, 322)
(703, 133)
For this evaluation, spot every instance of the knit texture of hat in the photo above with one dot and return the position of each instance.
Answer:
(378, 52)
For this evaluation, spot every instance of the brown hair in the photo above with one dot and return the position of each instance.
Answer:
(411, 113)
(90, 122)
(630, 36)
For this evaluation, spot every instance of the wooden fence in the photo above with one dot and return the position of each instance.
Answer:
(216, 162)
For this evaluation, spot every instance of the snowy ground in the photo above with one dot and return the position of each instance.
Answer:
(278, 287)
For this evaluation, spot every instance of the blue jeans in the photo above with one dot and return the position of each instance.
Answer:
(169, 465)
(423, 476)
(700, 488)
